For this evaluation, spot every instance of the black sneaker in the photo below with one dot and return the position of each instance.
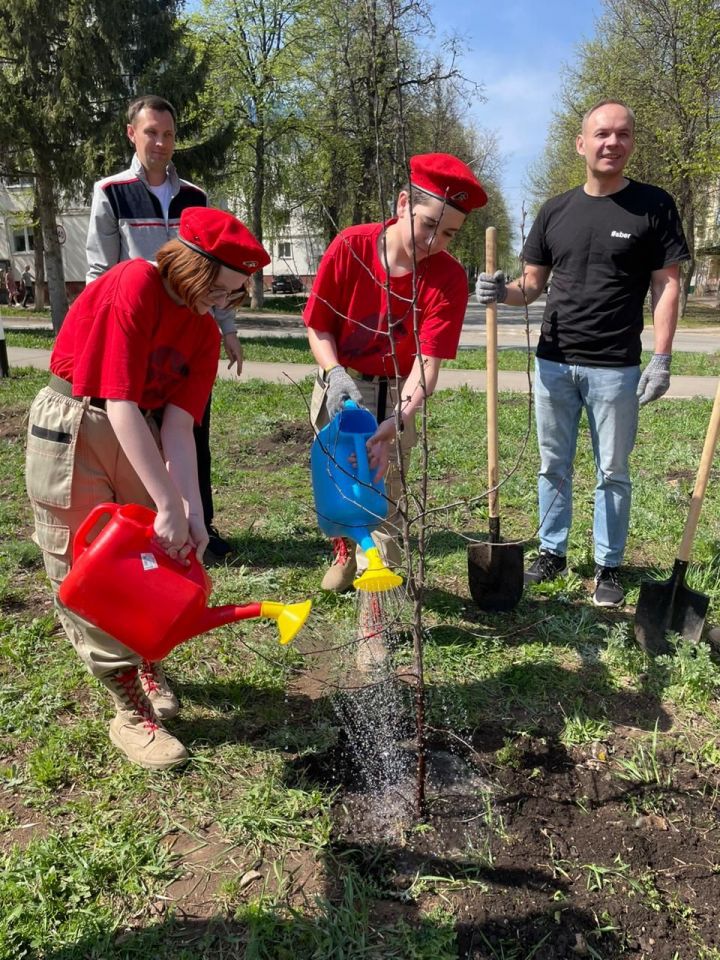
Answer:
(218, 547)
(608, 592)
(548, 566)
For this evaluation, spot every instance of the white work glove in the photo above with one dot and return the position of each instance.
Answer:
(655, 378)
(341, 387)
(491, 288)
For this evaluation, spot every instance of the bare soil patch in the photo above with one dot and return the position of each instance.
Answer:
(13, 422)
(556, 854)
(290, 439)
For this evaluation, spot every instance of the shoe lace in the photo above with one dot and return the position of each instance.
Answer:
(342, 554)
(607, 575)
(128, 683)
(547, 564)
(148, 678)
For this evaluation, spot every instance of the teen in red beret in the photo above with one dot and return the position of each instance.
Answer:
(131, 372)
(365, 347)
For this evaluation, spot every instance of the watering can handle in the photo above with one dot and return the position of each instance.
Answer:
(80, 541)
(363, 464)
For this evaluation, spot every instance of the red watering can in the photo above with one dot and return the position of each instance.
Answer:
(126, 585)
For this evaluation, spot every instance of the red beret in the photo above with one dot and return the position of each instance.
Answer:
(219, 236)
(444, 176)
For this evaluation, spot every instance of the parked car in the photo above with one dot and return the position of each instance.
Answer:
(287, 283)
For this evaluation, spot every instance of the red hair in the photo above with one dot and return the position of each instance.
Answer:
(189, 274)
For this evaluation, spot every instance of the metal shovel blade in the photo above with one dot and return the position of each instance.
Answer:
(495, 575)
(669, 606)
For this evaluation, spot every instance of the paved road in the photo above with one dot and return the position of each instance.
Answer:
(512, 334)
(680, 387)
(512, 331)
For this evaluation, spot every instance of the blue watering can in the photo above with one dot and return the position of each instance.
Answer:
(348, 501)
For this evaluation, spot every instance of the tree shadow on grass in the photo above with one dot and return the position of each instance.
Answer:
(347, 926)
(299, 549)
(242, 712)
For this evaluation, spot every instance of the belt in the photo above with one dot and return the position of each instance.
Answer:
(64, 388)
(366, 377)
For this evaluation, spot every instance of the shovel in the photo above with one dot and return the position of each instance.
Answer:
(495, 569)
(670, 605)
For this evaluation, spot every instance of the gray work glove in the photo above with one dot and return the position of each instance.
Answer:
(490, 288)
(655, 379)
(341, 387)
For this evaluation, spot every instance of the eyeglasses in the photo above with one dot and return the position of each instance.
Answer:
(217, 294)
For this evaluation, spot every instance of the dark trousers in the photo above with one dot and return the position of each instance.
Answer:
(202, 446)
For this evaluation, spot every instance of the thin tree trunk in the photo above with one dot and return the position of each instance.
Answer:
(257, 292)
(687, 272)
(39, 252)
(47, 212)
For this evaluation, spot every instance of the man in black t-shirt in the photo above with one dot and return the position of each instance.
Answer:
(606, 243)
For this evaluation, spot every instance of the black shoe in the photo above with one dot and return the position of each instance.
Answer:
(548, 566)
(608, 592)
(218, 547)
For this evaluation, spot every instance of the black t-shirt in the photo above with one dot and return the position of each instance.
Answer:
(602, 251)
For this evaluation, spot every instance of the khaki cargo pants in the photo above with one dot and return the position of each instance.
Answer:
(388, 535)
(74, 462)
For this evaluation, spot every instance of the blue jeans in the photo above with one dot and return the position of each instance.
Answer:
(608, 394)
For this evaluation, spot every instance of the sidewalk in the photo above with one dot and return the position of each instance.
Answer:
(512, 334)
(681, 388)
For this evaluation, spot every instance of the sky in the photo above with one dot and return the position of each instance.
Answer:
(515, 49)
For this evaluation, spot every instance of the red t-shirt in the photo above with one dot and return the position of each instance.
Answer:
(349, 300)
(125, 339)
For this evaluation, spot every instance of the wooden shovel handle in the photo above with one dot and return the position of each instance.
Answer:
(701, 481)
(491, 379)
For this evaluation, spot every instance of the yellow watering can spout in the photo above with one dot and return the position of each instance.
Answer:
(377, 578)
(290, 617)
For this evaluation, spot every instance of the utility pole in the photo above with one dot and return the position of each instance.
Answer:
(4, 365)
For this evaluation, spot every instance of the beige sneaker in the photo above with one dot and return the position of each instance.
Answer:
(136, 729)
(343, 571)
(146, 742)
(156, 688)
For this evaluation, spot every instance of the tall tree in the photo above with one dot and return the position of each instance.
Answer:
(368, 73)
(663, 58)
(256, 50)
(67, 68)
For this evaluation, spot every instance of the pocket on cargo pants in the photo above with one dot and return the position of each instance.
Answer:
(53, 538)
(51, 443)
(318, 413)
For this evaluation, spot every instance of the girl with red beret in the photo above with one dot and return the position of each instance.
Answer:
(131, 372)
(374, 282)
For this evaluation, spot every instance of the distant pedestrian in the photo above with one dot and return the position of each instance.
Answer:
(12, 288)
(26, 281)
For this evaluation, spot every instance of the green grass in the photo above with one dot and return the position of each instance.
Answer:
(89, 865)
(294, 349)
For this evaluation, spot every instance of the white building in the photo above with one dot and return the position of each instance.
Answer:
(294, 249)
(707, 272)
(17, 238)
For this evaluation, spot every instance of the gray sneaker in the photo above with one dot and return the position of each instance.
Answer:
(547, 566)
(608, 592)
